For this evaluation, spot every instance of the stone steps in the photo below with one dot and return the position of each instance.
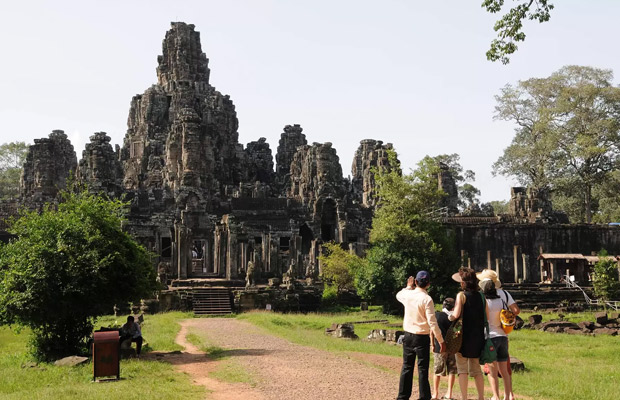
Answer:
(211, 301)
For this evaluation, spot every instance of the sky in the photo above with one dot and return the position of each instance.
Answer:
(412, 73)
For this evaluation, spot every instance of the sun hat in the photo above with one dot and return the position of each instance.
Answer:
(457, 277)
(489, 274)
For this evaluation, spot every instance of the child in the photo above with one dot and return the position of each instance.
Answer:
(445, 363)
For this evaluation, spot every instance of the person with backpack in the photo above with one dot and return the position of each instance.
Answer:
(470, 308)
(501, 311)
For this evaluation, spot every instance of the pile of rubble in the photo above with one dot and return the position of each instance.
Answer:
(603, 325)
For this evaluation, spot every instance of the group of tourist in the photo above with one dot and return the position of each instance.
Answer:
(480, 296)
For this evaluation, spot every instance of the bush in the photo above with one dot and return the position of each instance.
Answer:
(67, 267)
(330, 296)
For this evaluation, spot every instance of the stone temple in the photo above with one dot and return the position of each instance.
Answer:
(209, 207)
(200, 200)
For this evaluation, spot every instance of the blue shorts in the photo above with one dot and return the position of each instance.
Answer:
(501, 347)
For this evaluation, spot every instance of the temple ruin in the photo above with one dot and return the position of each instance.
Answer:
(200, 200)
(208, 206)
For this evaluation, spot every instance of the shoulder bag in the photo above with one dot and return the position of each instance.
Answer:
(454, 335)
(489, 354)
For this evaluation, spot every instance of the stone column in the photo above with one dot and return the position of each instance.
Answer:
(525, 258)
(516, 263)
(497, 267)
(182, 239)
(489, 259)
(232, 256)
(463, 254)
(553, 272)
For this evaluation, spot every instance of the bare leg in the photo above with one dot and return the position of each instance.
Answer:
(436, 379)
(451, 380)
(479, 386)
(493, 380)
(463, 386)
(507, 378)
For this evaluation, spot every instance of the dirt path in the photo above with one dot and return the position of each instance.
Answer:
(198, 366)
(283, 370)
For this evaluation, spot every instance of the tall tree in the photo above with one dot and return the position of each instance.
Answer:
(12, 157)
(405, 238)
(567, 135)
(68, 266)
(509, 27)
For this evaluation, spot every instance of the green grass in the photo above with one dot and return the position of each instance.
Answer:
(140, 379)
(309, 330)
(228, 369)
(559, 366)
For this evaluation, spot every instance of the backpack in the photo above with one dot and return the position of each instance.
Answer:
(507, 317)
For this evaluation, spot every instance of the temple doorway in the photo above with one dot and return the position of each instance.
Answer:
(329, 220)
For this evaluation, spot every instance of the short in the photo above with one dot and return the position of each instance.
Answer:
(469, 366)
(445, 364)
(501, 347)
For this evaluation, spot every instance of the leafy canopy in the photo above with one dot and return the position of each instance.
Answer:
(567, 136)
(12, 156)
(509, 27)
(68, 266)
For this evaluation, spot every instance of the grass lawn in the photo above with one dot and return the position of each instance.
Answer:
(140, 379)
(558, 366)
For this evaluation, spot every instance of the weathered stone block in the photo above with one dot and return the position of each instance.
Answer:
(605, 331)
(601, 318)
(535, 319)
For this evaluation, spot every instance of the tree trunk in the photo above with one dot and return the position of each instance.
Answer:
(588, 203)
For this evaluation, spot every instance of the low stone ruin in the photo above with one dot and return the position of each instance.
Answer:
(343, 331)
(604, 325)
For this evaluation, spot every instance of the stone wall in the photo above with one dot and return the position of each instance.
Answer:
(514, 248)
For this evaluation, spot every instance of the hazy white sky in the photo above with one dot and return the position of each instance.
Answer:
(412, 73)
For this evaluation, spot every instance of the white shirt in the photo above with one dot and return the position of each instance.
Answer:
(419, 312)
(495, 306)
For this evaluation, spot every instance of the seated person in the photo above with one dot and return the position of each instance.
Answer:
(131, 331)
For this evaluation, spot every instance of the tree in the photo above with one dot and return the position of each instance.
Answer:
(468, 201)
(67, 267)
(338, 266)
(499, 206)
(12, 157)
(405, 237)
(605, 279)
(567, 135)
(509, 28)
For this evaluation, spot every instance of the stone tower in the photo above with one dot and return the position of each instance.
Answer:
(182, 133)
(50, 162)
(370, 154)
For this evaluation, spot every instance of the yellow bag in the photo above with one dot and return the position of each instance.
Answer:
(507, 317)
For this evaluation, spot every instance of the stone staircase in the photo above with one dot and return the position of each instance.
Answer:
(544, 295)
(211, 301)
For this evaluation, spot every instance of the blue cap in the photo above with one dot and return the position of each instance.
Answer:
(423, 277)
